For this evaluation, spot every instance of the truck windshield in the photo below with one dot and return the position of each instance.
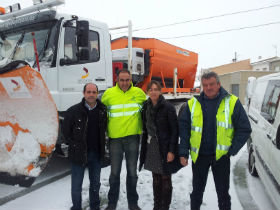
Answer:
(19, 44)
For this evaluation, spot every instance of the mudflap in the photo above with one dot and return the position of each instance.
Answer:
(28, 126)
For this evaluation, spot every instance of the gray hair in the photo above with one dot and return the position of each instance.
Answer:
(210, 74)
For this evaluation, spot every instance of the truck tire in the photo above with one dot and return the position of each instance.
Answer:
(251, 162)
(27, 182)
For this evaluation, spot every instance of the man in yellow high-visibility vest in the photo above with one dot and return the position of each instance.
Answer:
(124, 103)
(212, 127)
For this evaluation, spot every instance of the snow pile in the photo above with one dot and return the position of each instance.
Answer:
(7, 139)
(32, 118)
(25, 150)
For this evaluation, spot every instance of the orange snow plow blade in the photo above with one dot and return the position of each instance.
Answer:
(28, 125)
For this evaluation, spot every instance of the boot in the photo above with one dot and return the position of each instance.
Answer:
(166, 193)
(157, 191)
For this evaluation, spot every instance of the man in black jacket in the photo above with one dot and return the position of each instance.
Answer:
(84, 129)
(212, 127)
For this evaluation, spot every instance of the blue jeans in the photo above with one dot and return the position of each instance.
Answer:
(94, 169)
(129, 146)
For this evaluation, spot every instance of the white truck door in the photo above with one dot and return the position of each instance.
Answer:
(74, 74)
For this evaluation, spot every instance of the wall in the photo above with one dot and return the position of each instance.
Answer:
(261, 67)
(233, 67)
(275, 66)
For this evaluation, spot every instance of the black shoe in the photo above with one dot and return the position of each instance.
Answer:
(72, 208)
(111, 207)
(134, 207)
(95, 208)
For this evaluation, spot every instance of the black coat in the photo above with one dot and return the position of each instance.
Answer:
(75, 131)
(167, 134)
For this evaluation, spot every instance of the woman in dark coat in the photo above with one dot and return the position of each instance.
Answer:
(159, 153)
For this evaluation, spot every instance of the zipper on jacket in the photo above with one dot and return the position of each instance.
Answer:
(85, 137)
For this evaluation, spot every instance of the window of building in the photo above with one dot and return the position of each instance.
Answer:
(70, 46)
(271, 101)
(264, 69)
(235, 89)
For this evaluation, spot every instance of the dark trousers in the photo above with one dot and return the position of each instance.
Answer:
(129, 146)
(94, 169)
(221, 174)
(162, 189)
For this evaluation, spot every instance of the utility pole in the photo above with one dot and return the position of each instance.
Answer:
(235, 57)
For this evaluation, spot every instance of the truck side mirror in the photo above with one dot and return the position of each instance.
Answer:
(277, 141)
(82, 31)
(83, 54)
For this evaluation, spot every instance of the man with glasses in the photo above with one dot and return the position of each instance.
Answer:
(84, 129)
(124, 102)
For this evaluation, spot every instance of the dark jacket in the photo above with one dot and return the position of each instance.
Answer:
(75, 131)
(241, 124)
(167, 134)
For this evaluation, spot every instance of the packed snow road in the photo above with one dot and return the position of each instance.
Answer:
(247, 192)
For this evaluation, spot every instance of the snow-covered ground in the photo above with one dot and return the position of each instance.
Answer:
(56, 196)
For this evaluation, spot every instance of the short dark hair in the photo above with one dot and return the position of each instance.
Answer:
(210, 74)
(85, 87)
(123, 71)
(153, 82)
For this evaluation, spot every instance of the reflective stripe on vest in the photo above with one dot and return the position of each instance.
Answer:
(225, 129)
(118, 110)
(121, 106)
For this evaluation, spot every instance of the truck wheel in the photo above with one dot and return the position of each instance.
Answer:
(252, 163)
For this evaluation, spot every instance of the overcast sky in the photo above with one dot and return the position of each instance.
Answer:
(214, 49)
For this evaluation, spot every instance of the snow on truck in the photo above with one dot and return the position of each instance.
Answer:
(45, 60)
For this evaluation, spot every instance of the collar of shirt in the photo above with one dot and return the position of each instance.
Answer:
(90, 108)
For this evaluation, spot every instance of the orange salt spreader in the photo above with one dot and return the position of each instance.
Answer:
(160, 60)
(28, 124)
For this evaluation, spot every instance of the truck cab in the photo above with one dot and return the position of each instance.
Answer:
(66, 61)
(264, 144)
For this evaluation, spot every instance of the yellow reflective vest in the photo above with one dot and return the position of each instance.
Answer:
(225, 129)
(124, 117)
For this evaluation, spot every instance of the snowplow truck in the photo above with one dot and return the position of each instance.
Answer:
(46, 58)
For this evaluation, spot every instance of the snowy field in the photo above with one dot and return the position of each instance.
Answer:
(56, 196)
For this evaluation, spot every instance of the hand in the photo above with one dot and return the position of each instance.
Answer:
(170, 157)
(184, 161)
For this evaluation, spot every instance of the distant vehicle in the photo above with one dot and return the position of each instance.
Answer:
(264, 144)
